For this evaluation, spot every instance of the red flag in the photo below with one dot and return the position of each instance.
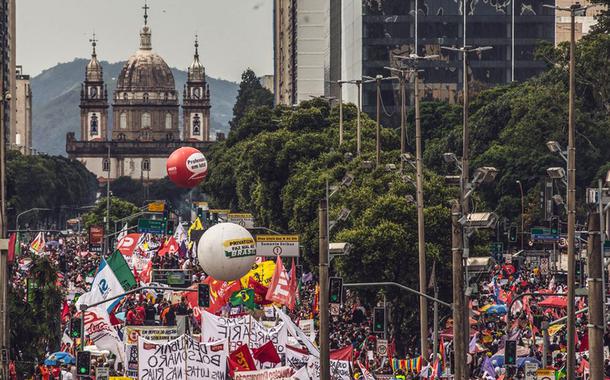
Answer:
(170, 246)
(65, 312)
(266, 353)
(243, 359)
(584, 342)
(293, 286)
(220, 292)
(279, 288)
(145, 275)
(128, 244)
(11, 247)
(344, 353)
(260, 291)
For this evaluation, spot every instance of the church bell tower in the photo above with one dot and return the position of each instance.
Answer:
(196, 102)
(94, 101)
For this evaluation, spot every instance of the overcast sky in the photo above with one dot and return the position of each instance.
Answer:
(233, 34)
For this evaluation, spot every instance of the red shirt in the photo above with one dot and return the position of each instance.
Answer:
(141, 313)
(132, 318)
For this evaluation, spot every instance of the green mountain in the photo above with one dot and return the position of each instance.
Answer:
(56, 96)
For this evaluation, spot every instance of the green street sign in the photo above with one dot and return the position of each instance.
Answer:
(151, 226)
(496, 247)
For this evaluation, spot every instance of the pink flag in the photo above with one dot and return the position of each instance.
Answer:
(279, 288)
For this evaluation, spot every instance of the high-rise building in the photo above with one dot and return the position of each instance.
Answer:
(307, 49)
(21, 134)
(8, 67)
(583, 24)
(374, 32)
(145, 114)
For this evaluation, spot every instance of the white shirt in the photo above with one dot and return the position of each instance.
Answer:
(66, 375)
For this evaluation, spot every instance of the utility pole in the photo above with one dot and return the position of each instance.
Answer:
(108, 202)
(340, 112)
(421, 238)
(403, 113)
(459, 339)
(323, 269)
(4, 274)
(377, 119)
(596, 300)
(358, 83)
(465, 179)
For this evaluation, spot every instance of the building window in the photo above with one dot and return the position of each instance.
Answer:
(145, 165)
(169, 136)
(166, 96)
(123, 120)
(145, 135)
(121, 136)
(145, 96)
(106, 165)
(146, 120)
(93, 125)
(196, 125)
(125, 96)
(168, 121)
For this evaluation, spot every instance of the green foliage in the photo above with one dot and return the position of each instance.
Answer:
(35, 326)
(119, 209)
(250, 95)
(46, 182)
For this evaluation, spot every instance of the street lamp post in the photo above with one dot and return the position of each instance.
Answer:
(421, 237)
(522, 215)
(574, 9)
(465, 50)
(28, 211)
(378, 79)
(358, 84)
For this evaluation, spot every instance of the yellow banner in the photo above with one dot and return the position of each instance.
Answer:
(554, 329)
(262, 273)
(156, 207)
(278, 238)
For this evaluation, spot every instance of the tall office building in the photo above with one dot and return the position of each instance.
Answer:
(375, 31)
(8, 69)
(21, 134)
(307, 49)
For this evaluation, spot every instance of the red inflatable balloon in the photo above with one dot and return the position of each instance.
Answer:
(187, 167)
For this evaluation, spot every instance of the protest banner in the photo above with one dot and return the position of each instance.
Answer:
(99, 329)
(242, 330)
(307, 326)
(296, 357)
(339, 364)
(156, 334)
(280, 373)
(181, 359)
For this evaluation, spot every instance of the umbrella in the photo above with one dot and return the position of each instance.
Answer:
(558, 302)
(497, 360)
(521, 361)
(497, 309)
(60, 358)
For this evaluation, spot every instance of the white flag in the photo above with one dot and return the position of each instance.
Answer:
(105, 285)
(180, 234)
(103, 334)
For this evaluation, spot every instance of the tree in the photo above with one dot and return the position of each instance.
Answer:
(603, 17)
(35, 324)
(118, 209)
(250, 94)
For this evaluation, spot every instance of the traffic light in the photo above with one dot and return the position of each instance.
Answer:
(512, 234)
(335, 291)
(200, 214)
(555, 227)
(379, 320)
(510, 352)
(83, 363)
(203, 292)
(75, 327)
(169, 227)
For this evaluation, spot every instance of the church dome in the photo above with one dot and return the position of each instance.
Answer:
(146, 71)
(93, 72)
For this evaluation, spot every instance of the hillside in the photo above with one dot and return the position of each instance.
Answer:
(56, 95)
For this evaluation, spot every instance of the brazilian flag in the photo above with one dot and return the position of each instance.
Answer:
(243, 297)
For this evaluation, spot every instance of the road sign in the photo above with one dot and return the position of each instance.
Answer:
(277, 245)
(382, 347)
(158, 206)
(335, 309)
(151, 226)
(544, 265)
(102, 373)
(544, 234)
(96, 238)
(245, 220)
(530, 371)
(545, 374)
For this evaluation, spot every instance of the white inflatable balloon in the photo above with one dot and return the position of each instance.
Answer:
(226, 251)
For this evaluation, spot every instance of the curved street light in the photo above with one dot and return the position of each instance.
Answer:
(27, 211)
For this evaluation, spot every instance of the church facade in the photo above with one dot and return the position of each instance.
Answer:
(145, 115)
